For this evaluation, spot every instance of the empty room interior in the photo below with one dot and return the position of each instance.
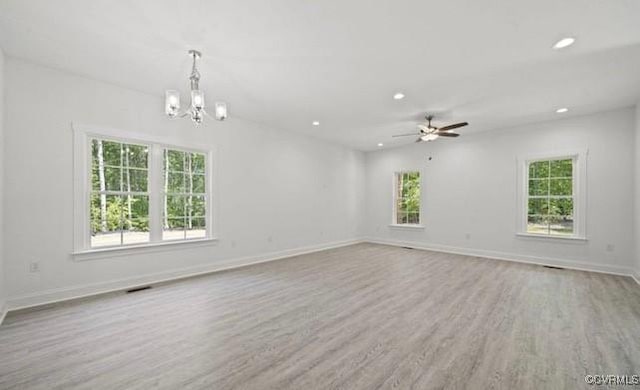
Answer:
(295, 194)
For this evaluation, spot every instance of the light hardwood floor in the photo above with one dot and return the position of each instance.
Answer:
(361, 317)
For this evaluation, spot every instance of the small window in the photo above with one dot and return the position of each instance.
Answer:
(119, 205)
(407, 198)
(550, 197)
(184, 212)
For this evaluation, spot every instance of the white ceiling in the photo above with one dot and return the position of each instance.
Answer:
(286, 63)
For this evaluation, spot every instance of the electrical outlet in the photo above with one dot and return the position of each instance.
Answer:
(611, 247)
(270, 238)
(467, 236)
(233, 244)
(34, 266)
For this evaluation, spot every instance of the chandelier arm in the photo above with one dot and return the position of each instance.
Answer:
(185, 113)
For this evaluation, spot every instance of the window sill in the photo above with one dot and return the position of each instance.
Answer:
(544, 236)
(406, 226)
(126, 250)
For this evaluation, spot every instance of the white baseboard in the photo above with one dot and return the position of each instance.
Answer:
(636, 276)
(554, 262)
(80, 291)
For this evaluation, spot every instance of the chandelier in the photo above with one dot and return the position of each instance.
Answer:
(196, 111)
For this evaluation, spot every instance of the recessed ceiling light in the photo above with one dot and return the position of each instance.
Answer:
(380, 144)
(398, 96)
(562, 110)
(564, 42)
(315, 123)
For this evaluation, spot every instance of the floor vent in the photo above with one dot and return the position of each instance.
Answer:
(407, 247)
(552, 267)
(138, 289)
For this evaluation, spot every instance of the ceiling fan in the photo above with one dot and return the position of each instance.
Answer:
(427, 132)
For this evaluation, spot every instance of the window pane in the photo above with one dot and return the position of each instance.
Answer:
(197, 229)
(539, 187)
(136, 206)
(113, 179)
(190, 183)
(562, 206)
(95, 179)
(176, 182)
(136, 180)
(197, 162)
(413, 205)
(103, 239)
(198, 184)
(537, 224)
(175, 229)
(538, 206)
(136, 231)
(197, 206)
(400, 205)
(414, 218)
(402, 217)
(539, 169)
(175, 160)
(106, 220)
(562, 225)
(175, 206)
(562, 168)
(112, 153)
(561, 186)
(94, 153)
(137, 155)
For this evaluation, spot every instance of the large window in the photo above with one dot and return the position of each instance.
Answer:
(138, 192)
(550, 197)
(407, 198)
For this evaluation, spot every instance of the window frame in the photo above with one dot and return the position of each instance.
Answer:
(82, 165)
(579, 193)
(394, 198)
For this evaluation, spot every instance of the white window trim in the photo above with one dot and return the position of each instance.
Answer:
(82, 135)
(579, 191)
(394, 209)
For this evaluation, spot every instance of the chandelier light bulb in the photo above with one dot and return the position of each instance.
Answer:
(172, 103)
(221, 111)
(197, 100)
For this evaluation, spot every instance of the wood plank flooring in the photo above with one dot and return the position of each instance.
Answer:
(361, 317)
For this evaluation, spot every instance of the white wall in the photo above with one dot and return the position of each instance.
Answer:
(2, 167)
(470, 188)
(637, 193)
(277, 190)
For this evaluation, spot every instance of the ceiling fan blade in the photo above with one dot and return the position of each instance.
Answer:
(454, 126)
(447, 134)
(405, 135)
